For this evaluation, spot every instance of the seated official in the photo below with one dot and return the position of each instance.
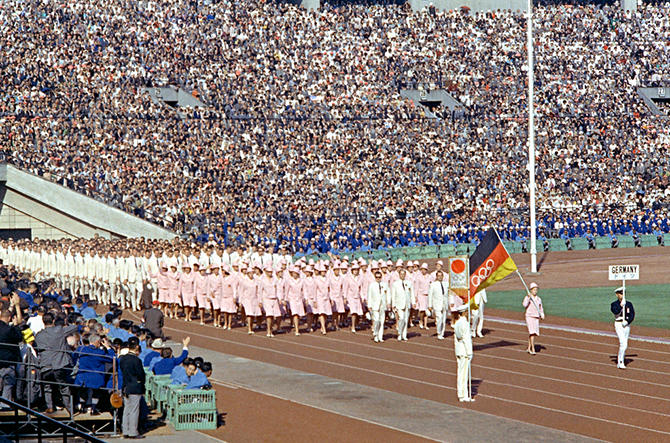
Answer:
(200, 378)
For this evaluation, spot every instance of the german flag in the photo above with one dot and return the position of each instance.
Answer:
(490, 263)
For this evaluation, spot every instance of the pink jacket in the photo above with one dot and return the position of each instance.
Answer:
(533, 309)
(173, 278)
(321, 284)
(293, 290)
(200, 285)
(309, 289)
(422, 283)
(186, 283)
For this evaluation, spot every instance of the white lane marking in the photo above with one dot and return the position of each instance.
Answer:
(210, 437)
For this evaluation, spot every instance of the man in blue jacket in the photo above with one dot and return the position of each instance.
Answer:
(93, 361)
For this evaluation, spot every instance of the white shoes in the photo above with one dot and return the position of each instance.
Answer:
(399, 338)
(440, 337)
(480, 335)
(467, 399)
(621, 366)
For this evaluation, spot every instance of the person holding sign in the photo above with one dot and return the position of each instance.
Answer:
(534, 311)
(622, 321)
(463, 350)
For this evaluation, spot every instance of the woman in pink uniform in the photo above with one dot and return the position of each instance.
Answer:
(227, 297)
(352, 293)
(309, 294)
(248, 297)
(534, 311)
(201, 291)
(422, 282)
(323, 306)
(294, 298)
(267, 286)
(187, 290)
(336, 296)
(214, 285)
(163, 283)
(173, 277)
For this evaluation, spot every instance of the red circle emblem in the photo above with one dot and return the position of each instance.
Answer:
(458, 266)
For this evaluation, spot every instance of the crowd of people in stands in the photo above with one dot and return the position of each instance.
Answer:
(305, 137)
(59, 351)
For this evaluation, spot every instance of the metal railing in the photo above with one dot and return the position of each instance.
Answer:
(40, 421)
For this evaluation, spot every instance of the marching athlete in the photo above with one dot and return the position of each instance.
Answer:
(463, 350)
(622, 321)
(534, 311)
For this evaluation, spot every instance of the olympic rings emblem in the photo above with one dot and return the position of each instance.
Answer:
(483, 273)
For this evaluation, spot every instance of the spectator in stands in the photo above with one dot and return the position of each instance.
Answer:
(55, 359)
(10, 337)
(164, 364)
(199, 377)
(133, 377)
(93, 360)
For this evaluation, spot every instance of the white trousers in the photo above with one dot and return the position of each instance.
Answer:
(403, 316)
(378, 324)
(463, 375)
(440, 321)
(478, 320)
(622, 332)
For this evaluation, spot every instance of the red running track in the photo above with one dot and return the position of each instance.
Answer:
(572, 384)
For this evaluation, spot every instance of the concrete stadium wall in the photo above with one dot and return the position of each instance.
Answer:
(53, 211)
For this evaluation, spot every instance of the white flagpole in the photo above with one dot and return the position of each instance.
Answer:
(531, 139)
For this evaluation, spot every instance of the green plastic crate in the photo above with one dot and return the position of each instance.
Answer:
(161, 394)
(195, 420)
(184, 400)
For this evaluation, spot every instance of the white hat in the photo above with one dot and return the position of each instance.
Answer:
(533, 285)
(620, 289)
(462, 308)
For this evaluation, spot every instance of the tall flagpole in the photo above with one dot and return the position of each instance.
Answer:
(531, 138)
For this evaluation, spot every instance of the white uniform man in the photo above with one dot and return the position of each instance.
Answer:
(151, 270)
(478, 314)
(403, 298)
(622, 320)
(135, 278)
(438, 301)
(88, 282)
(463, 350)
(378, 302)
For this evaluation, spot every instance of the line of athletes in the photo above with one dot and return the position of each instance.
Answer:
(325, 291)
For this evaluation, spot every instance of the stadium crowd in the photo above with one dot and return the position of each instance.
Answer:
(306, 141)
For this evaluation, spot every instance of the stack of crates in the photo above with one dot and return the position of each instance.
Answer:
(160, 389)
(192, 408)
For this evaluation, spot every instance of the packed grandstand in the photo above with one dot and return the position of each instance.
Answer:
(306, 141)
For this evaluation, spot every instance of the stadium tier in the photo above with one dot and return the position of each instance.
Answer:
(305, 139)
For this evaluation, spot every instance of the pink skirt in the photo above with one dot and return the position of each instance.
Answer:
(355, 306)
(297, 307)
(227, 304)
(271, 307)
(423, 302)
(323, 306)
(174, 296)
(533, 324)
(203, 302)
(189, 300)
(251, 307)
(163, 295)
(340, 308)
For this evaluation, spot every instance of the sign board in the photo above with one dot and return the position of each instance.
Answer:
(624, 272)
(459, 272)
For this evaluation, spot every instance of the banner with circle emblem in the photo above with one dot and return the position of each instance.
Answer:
(459, 273)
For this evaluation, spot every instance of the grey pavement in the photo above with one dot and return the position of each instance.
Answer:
(426, 418)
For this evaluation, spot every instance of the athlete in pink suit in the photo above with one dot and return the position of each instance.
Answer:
(422, 282)
(336, 296)
(187, 290)
(201, 295)
(163, 282)
(247, 288)
(267, 286)
(309, 294)
(323, 304)
(173, 278)
(227, 297)
(352, 293)
(294, 298)
(214, 285)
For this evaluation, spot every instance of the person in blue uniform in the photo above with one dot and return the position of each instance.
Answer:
(622, 320)
(92, 361)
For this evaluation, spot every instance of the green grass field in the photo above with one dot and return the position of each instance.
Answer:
(651, 302)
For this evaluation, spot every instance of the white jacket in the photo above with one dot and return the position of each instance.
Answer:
(402, 294)
(438, 295)
(378, 296)
(462, 337)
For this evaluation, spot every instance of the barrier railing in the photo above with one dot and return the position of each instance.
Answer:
(513, 247)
